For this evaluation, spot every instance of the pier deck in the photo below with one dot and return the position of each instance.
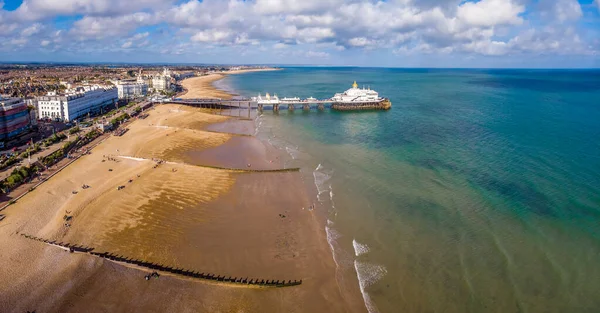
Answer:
(248, 104)
(253, 104)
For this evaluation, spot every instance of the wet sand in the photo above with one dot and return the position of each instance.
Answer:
(177, 213)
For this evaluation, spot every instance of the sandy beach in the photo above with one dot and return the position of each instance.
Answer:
(202, 86)
(181, 212)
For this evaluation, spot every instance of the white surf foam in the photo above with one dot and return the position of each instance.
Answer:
(368, 274)
(293, 152)
(359, 248)
(258, 121)
(332, 236)
(331, 200)
(321, 177)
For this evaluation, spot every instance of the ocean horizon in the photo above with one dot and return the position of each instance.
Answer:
(290, 65)
(478, 191)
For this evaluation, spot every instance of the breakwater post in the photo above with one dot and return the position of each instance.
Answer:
(169, 269)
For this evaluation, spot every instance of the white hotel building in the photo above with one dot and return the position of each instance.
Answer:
(131, 90)
(76, 103)
(161, 83)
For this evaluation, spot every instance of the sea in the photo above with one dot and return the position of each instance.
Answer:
(479, 191)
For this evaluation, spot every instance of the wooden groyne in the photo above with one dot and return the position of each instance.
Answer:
(169, 269)
(242, 170)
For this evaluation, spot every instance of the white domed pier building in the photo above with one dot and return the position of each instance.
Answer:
(359, 99)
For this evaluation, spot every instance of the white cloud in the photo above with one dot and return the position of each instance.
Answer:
(41, 9)
(102, 27)
(280, 45)
(8, 29)
(361, 42)
(31, 30)
(567, 10)
(139, 36)
(45, 43)
(491, 12)
(19, 41)
(293, 6)
(313, 34)
(319, 28)
(487, 47)
(317, 54)
(212, 35)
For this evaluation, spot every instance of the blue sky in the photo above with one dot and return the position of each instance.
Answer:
(395, 33)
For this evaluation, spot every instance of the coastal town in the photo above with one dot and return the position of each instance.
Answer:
(52, 112)
(107, 175)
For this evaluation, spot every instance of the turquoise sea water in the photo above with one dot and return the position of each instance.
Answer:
(479, 191)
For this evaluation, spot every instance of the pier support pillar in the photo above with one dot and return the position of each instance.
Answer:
(291, 107)
(275, 107)
(321, 106)
(306, 107)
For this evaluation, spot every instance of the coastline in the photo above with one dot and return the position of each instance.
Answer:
(203, 86)
(167, 213)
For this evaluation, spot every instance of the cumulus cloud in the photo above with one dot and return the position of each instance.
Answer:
(31, 30)
(320, 28)
(491, 12)
(317, 54)
(212, 35)
(280, 45)
(568, 10)
(560, 10)
(294, 6)
(41, 9)
(90, 27)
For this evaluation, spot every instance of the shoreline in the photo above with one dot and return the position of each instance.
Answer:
(262, 230)
(203, 86)
(352, 296)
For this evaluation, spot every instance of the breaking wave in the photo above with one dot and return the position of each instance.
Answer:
(368, 274)
(322, 178)
(359, 248)
(332, 236)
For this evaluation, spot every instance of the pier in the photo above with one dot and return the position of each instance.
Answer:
(305, 105)
(251, 104)
(353, 99)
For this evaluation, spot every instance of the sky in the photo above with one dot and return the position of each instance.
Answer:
(392, 33)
